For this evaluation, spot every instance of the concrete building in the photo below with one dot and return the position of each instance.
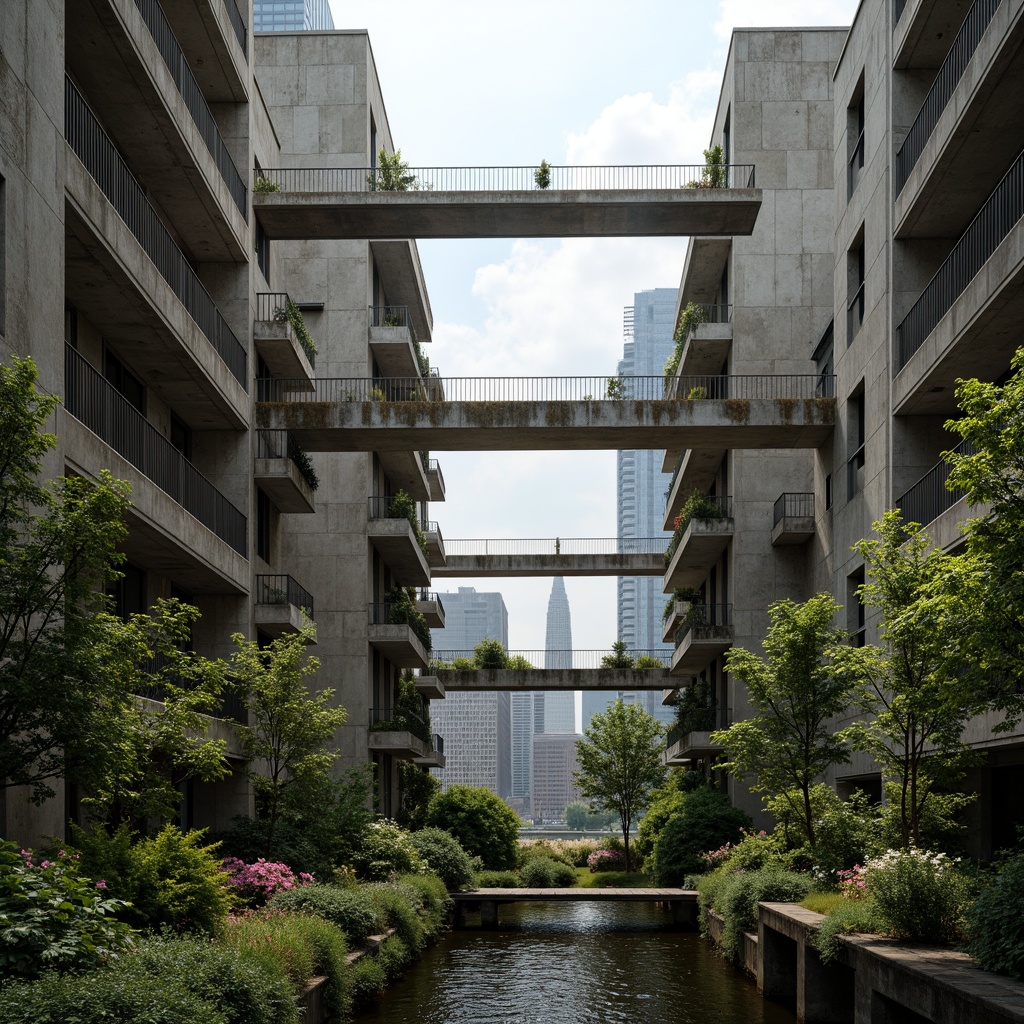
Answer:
(477, 727)
(292, 16)
(554, 761)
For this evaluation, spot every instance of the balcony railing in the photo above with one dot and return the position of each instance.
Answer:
(429, 526)
(431, 596)
(155, 19)
(1003, 209)
(930, 497)
(544, 546)
(281, 589)
(383, 507)
(952, 70)
(705, 622)
(703, 720)
(272, 307)
(793, 505)
(393, 720)
(230, 706)
(511, 179)
(575, 659)
(99, 155)
(279, 444)
(239, 26)
(552, 389)
(438, 744)
(433, 466)
(390, 316)
(91, 399)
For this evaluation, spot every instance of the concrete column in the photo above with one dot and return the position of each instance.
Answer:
(488, 914)
(824, 992)
(777, 965)
(684, 914)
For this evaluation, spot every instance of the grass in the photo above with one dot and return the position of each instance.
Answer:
(612, 879)
(823, 902)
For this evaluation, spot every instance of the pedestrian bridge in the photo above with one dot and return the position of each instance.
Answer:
(681, 902)
(576, 670)
(553, 556)
(505, 202)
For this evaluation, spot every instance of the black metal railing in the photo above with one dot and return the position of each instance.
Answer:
(272, 307)
(952, 70)
(390, 316)
(552, 389)
(92, 400)
(930, 497)
(701, 720)
(393, 720)
(239, 26)
(1002, 210)
(93, 147)
(715, 313)
(433, 532)
(230, 704)
(434, 469)
(438, 744)
(575, 659)
(384, 507)
(547, 546)
(430, 596)
(705, 622)
(281, 589)
(156, 21)
(510, 179)
(793, 504)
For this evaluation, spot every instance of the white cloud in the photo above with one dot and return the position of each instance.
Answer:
(758, 14)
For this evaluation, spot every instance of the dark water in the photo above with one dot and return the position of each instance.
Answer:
(574, 963)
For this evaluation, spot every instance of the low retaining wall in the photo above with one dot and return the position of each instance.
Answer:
(311, 1001)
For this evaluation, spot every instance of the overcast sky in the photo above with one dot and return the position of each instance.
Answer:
(475, 83)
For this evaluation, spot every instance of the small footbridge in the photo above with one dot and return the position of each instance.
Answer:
(681, 902)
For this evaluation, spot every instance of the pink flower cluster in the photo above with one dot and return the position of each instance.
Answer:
(256, 883)
(714, 856)
(852, 883)
(607, 860)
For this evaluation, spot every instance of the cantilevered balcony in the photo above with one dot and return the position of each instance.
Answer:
(393, 342)
(698, 543)
(793, 518)
(554, 556)
(695, 470)
(552, 413)
(405, 737)
(390, 633)
(435, 480)
(967, 321)
(182, 525)
(435, 545)
(431, 607)
(938, 179)
(435, 759)
(281, 347)
(281, 605)
(683, 748)
(407, 471)
(429, 687)
(505, 202)
(391, 533)
(705, 633)
(283, 473)
(932, 504)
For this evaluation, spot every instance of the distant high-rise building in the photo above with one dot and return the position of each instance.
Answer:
(477, 727)
(554, 761)
(291, 16)
(559, 708)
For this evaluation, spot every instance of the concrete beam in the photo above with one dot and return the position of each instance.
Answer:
(342, 426)
(552, 213)
(552, 565)
(463, 680)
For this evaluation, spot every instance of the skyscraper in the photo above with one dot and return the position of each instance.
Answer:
(477, 727)
(291, 16)
(559, 708)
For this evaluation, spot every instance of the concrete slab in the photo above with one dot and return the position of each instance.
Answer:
(465, 680)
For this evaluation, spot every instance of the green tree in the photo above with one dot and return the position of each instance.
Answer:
(914, 688)
(620, 763)
(392, 174)
(706, 821)
(483, 823)
(62, 711)
(289, 726)
(794, 693)
(577, 815)
(490, 654)
(619, 658)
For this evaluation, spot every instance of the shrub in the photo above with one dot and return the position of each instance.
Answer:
(386, 850)
(995, 922)
(366, 980)
(855, 915)
(351, 910)
(706, 822)
(256, 883)
(433, 900)
(667, 801)
(394, 956)
(53, 917)
(737, 898)
(246, 840)
(483, 824)
(545, 873)
(754, 851)
(575, 851)
(918, 895)
(398, 907)
(607, 860)
(444, 856)
(496, 880)
(549, 848)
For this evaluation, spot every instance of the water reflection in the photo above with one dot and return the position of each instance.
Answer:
(574, 964)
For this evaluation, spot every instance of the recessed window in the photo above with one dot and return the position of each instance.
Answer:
(855, 138)
(855, 438)
(855, 615)
(856, 271)
(262, 526)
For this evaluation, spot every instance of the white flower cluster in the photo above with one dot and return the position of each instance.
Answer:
(894, 858)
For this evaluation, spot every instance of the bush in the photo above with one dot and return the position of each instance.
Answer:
(53, 917)
(386, 850)
(496, 880)
(849, 916)
(444, 856)
(545, 873)
(256, 883)
(575, 851)
(995, 922)
(367, 979)
(918, 895)
(607, 860)
(552, 849)
(246, 840)
(432, 898)
(394, 956)
(398, 907)
(351, 910)
(754, 851)
(484, 825)
(737, 898)
(666, 801)
(706, 822)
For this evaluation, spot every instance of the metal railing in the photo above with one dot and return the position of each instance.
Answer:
(97, 152)
(552, 389)
(704, 720)
(575, 659)
(952, 70)
(92, 400)
(230, 705)
(239, 25)
(382, 506)
(511, 179)
(434, 469)
(432, 530)
(156, 21)
(930, 497)
(392, 613)
(393, 720)
(793, 504)
(547, 546)
(1002, 210)
(431, 596)
(272, 307)
(390, 316)
(438, 744)
(705, 622)
(281, 589)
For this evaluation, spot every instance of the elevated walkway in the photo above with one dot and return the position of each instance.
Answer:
(523, 679)
(554, 556)
(551, 413)
(505, 202)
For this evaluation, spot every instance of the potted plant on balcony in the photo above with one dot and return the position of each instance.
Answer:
(542, 176)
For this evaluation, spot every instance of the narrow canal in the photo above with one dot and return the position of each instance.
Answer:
(574, 963)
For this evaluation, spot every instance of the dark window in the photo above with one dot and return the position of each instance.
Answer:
(855, 272)
(181, 436)
(128, 594)
(855, 138)
(824, 360)
(3, 254)
(124, 381)
(855, 444)
(262, 247)
(70, 325)
(828, 491)
(262, 526)
(855, 619)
